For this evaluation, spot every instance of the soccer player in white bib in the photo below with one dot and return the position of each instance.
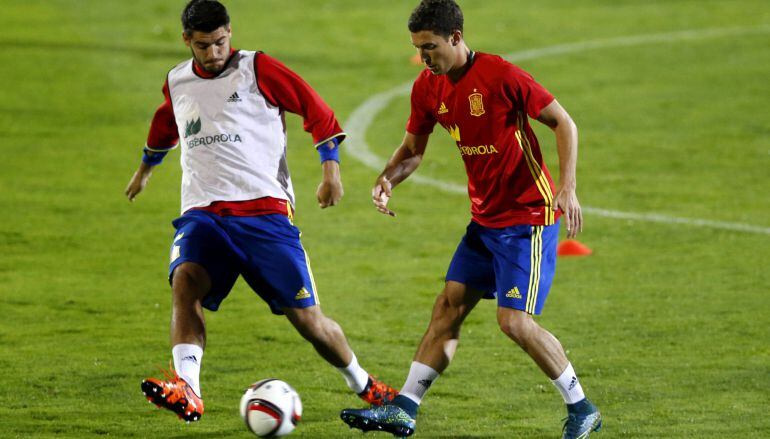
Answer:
(225, 110)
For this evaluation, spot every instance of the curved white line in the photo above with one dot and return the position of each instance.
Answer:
(361, 118)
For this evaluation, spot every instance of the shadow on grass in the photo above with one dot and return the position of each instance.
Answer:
(218, 434)
(484, 436)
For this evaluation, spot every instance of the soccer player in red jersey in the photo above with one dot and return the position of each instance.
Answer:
(509, 249)
(225, 108)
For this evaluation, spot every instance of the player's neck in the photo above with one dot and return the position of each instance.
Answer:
(203, 73)
(464, 62)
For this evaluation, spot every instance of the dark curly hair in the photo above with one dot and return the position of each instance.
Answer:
(204, 16)
(442, 17)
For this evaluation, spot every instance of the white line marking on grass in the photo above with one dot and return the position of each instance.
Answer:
(361, 118)
(666, 219)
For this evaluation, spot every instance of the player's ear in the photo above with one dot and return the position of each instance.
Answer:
(457, 36)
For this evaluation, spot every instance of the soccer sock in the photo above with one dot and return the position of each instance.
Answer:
(582, 407)
(187, 363)
(420, 377)
(355, 376)
(569, 386)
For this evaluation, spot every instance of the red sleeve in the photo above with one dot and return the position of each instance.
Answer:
(288, 91)
(163, 131)
(526, 92)
(421, 119)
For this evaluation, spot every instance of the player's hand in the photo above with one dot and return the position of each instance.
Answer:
(138, 181)
(329, 193)
(330, 190)
(381, 193)
(566, 200)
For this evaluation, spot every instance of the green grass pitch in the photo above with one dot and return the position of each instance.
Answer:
(666, 323)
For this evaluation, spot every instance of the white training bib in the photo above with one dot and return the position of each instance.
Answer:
(233, 141)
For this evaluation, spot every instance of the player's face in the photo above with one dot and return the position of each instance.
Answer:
(210, 49)
(439, 53)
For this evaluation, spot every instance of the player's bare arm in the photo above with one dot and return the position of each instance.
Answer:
(138, 181)
(162, 137)
(330, 190)
(401, 164)
(557, 118)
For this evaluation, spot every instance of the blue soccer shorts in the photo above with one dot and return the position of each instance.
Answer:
(265, 250)
(515, 264)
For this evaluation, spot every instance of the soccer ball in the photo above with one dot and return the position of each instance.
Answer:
(271, 408)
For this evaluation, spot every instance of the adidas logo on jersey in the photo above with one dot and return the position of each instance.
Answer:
(443, 109)
(234, 98)
(513, 293)
(303, 294)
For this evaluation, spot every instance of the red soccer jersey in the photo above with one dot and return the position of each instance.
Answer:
(486, 112)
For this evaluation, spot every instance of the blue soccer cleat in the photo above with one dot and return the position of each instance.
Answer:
(389, 418)
(579, 424)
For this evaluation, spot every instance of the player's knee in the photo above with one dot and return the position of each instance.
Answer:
(442, 305)
(190, 280)
(444, 310)
(519, 326)
(446, 319)
(312, 324)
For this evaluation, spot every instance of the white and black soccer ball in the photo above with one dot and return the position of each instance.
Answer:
(271, 408)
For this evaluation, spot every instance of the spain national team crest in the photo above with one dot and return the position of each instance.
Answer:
(477, 104)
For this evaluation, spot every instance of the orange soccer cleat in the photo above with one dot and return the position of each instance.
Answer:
(377, 393)
(174, 394)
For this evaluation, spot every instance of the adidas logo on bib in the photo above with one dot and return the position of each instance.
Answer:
(234, 98)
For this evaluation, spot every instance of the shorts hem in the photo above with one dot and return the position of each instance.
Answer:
(523, 308)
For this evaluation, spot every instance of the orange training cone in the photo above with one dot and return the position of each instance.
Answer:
(571, 247)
